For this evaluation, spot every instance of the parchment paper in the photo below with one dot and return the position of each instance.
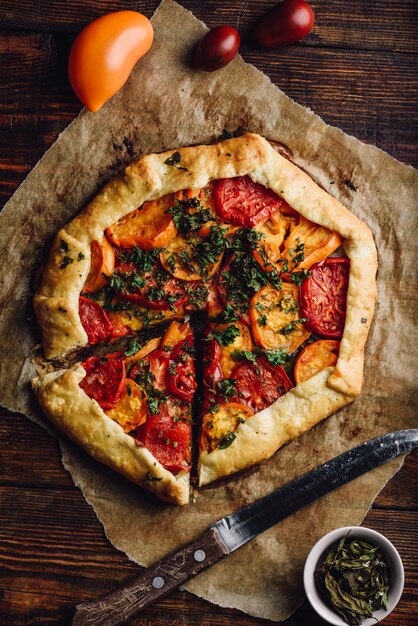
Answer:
(166, 104)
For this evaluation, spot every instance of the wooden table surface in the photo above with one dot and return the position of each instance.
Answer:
(358, 70)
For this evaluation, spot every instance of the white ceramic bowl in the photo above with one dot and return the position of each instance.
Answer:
(365, 534)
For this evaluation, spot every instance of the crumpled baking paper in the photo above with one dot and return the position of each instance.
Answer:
(167, 104)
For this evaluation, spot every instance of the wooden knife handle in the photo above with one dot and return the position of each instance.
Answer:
(154, 583)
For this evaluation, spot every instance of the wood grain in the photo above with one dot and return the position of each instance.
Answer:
(358, 69)
(372, 25)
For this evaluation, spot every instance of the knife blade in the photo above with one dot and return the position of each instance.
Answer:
(233, 531)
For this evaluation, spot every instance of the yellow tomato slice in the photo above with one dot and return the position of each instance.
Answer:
(138, 317)
(176, 333)
(268, 253)
(102, 261)
(130, 410)
(242, 341)
(149, 347)
(218, 426)
(181, 259)
(148, 227)
(274, 315)
(309, 243)
(316, 357)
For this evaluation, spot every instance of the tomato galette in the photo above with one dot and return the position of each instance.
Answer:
(226, 298)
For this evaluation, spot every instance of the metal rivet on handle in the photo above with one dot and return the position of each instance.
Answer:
(199, 555)
(158, 582)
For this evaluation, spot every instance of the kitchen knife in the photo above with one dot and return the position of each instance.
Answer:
(233, 531)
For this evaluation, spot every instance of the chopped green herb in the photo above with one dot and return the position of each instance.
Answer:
(63, 246)
(80, 257)
(133, 347)
(291, 327)
(128, 390)
(226, 387)
(153, 405)
(276, 357)
(242, 355)
(224, 337)
(67, 260)
(262, 320)
(174, 160)
(226, 441)
(298, 277)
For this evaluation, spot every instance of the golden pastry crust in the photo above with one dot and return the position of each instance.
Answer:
(85, 422)
(56, 305)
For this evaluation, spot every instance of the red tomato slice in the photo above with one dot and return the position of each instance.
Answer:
(242, 202)
(105, 379)
(156, 364)
(181, 375)
(259, 384)
(153, 293)
(168, 440)
(94, 320)
(211, 357)
(323, 297)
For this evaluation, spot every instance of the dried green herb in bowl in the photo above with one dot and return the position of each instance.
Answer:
(353, 574)
(354, 579)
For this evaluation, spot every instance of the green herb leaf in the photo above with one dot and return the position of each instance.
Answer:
(67, 260)
(174, 160)
(224, 337)
(226, 441)
(276, 357)
(226, 387)
(354, 579)
(242, 355)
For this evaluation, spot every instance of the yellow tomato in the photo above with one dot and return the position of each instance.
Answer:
(102, 264)
(316, 357)
(275, 320)
(104, 54)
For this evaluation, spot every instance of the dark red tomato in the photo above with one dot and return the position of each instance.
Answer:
(151, 290)
(211, 357)
(105, 379)
(287, 22)
(94, 320)
(323, 297)
(217, 48)
(156, 363)
(181, 375)
(242, 202)
(259, 384)
(168, 440)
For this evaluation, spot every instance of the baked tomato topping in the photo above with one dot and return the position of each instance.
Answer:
(323, 297)
(181, 377)
(242, 202)
(149, 227)
(315, 357)
(95, 321)
(167, 435)
(259, 384)
(218, 427)
(275, 319)
(131, 409)
(102, 264)
(155, 289)
(105, 379)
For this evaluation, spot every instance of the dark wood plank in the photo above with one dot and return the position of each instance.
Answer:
(52, 537)
(37, 101)
(372, 25)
